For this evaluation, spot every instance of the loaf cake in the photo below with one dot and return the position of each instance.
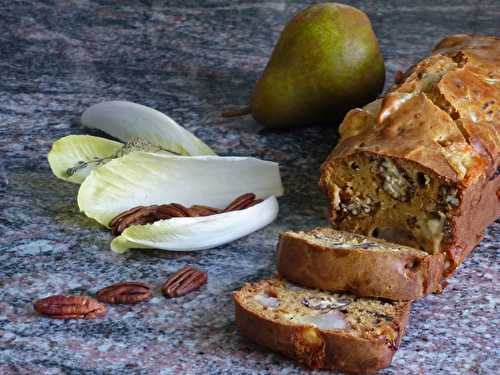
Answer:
(320, 329)
(420, 166)
(328, 259)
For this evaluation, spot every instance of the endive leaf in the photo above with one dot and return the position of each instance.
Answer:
(142, 178)
(197, 233)
(73, 150)
(125, 120)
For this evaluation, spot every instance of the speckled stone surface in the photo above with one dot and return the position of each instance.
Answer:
(189, 59)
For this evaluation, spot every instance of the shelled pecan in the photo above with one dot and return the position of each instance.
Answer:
(125, 292)
(69, 307)
(242, 202)
(149, 214)
(200, 210)
(186, 280)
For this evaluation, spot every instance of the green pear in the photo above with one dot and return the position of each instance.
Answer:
(327, 61)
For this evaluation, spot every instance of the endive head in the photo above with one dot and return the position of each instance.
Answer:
(149, 169)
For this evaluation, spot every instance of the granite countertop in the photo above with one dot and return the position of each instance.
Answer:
(189, 59)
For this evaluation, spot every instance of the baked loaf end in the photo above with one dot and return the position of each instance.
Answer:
(321, 329)
(420, 166)
(328, 259)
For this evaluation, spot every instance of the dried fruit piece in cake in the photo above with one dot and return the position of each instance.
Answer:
(329, 259)
(420, 166)
(321, 329)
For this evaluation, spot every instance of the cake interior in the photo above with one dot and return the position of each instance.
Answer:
(280, 301)
(392, 199)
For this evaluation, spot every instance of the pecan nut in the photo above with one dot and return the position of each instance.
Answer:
(186, 280)
(243, 201)
(69, 307)
(126, 292)
(240, 203)
(140, 215)
(149, 214)
(201, 210)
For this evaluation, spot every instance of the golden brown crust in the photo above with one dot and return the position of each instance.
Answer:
(444, 117)
(407, 274)
(451, 97)
(318, 349)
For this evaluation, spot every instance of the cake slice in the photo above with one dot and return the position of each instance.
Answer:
(329, 259)
(322, 330)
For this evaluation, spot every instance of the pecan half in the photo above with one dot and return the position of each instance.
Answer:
(125, 292)
(143, 215)
(180, 210)
(240, 203)
(200, 210)
(186, 280)
(69, 307)
(149, 214)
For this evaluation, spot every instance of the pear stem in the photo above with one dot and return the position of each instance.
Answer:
(237, 113)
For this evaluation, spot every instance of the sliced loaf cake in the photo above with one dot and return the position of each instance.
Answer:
(421, 167)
